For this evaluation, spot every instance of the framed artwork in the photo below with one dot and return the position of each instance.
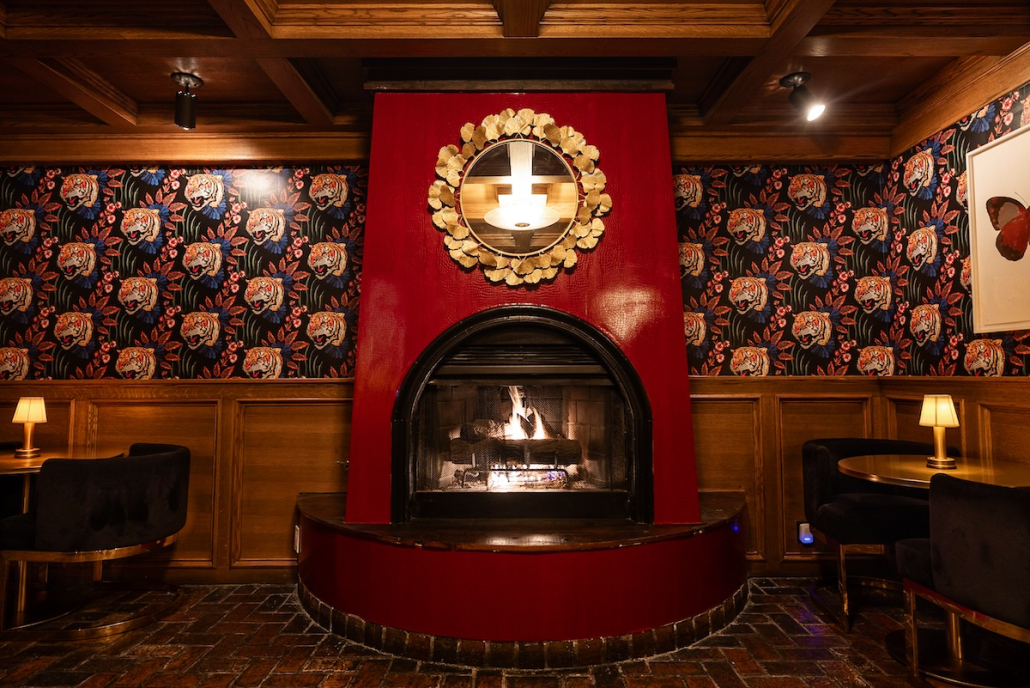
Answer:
(999, 226)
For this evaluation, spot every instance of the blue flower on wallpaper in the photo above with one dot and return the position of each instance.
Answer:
(142, 226)
(140, 296)
(18, 228)
(980, 121)
(205, 192)
(923, 249)
(83, 192)
(328, 331)
(77, 261)
(26, 176)
(331, 192)
(204, 261)
(18, 297)
(330, 261)
(152, 176)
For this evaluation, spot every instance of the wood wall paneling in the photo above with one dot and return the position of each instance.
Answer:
(285, 447)
(729, 458)
(802, 419)
(1005, 431)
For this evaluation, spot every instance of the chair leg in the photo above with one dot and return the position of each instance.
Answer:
(842, 585)
(913, 632)
(5, 567)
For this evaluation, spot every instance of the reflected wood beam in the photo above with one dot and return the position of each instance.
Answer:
(247, 18)
(891, 43)
(185, 148)
(3, 20)
(300, 94)
(790, 25)
(84, 87)
(965, 86)
(521, 18)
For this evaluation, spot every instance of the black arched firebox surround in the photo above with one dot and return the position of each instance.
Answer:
(546, 352)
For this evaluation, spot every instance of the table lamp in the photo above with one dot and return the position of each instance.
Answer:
(939, 413)
(31, 410)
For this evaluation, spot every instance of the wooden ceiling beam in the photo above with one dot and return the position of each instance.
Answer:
(84, 87)
(247, 18)
(651, 21)
(297, 90)
(968, 84)
(893, 43)
(791, 24)
(728, 145)
(521, 18)
(3, 20)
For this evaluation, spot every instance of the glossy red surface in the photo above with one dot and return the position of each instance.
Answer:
(628, 287)
(527, 597)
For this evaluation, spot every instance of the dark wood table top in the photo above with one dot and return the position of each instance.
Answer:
(910, 470)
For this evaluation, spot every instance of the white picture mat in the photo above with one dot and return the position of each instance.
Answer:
(1001, 287)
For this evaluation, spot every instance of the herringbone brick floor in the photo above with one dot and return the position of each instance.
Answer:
(253, 635)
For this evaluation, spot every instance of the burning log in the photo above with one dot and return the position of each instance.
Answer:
(488, 452)
(480, 430)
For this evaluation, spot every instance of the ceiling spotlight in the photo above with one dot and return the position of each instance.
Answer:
(186, 102)
(801, 98)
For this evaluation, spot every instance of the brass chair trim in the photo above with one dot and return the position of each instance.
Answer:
(10, 555)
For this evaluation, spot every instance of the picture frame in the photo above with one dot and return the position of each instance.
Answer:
(998, 177)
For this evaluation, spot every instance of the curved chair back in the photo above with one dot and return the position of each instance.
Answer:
(980, 546)
(823, 482)
(97, 504)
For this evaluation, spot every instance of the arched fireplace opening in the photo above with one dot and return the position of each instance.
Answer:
(522, 412)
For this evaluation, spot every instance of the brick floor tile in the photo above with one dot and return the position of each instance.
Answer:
(678, 667)
(533, 682)
(654, 682)
(255, 674)
(699, 682)
(292, 680)
(723, 674)
(742, 661)
(776, 682)
(336, 680)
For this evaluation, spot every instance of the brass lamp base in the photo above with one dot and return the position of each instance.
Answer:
(30, 453)
(947, 463)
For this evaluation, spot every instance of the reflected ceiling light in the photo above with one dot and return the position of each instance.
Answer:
(521, 211)
(186, 102)
(800, 97)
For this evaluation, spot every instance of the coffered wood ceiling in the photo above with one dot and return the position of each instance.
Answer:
(88, 80)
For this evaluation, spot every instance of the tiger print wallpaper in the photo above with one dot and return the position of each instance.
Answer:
(841, 270)
(168, 272)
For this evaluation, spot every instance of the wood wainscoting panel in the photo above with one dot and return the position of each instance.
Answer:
(729, 458)
(284, 447)
(803, 418)
(116, 424)
(1005, 431)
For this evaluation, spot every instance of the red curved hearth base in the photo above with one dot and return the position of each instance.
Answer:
(519, 581)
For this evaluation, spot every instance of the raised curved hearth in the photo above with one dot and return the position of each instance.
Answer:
(522, 593)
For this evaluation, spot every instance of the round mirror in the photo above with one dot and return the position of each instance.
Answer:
(519, 197)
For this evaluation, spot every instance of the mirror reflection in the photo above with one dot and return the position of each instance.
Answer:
(519, 197)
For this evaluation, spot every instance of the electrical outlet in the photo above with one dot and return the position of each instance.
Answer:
(805, 536)
(296, 539)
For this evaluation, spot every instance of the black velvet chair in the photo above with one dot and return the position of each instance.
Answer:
(94, 510)
(859, 516)
(975, 565)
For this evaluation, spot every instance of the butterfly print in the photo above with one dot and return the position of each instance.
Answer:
(1012, 222)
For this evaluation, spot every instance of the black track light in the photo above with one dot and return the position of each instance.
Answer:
(186, 102)
(800, 97)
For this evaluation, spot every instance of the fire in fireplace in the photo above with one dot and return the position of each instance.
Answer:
(522, 412)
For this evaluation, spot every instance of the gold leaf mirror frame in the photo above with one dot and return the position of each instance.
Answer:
(583, 232)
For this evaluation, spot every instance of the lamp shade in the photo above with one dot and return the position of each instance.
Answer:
(938, 411)
(30, 410)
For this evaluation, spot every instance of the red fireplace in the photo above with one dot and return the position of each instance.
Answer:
(512, 435)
